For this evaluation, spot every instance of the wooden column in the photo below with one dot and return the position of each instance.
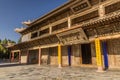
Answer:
(59, 56)
(39, 58)
(50, 29)
(69, 22)
(101, 11)
(27, 56)
(98, 55)
(20, 57)
(12, 57)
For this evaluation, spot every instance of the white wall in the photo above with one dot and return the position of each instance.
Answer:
(26, 37)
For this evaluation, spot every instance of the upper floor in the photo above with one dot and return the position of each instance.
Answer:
(68, 16)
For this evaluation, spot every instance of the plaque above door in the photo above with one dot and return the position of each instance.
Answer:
(73, 37)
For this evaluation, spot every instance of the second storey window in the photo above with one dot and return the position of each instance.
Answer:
(85, 17)
(60, 26)
(45, 31)
(112, 8)
(34, 35)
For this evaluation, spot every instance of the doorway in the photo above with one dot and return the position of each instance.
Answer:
(33, 56)
(86, 54)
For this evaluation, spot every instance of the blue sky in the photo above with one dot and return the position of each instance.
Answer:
(14, 12)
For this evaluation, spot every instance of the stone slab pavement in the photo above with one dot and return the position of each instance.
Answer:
(35, 72)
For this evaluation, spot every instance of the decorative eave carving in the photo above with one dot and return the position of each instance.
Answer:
(27, 23)
(73, 37)
(19, 30)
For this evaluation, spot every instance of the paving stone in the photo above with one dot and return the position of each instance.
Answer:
(35, 72)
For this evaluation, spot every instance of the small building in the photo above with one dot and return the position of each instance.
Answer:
(78, 33)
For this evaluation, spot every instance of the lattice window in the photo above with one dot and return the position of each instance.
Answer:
(85, 17)
(60, 15)
(44, 23)
(45, 31)
(37, 26)
(112, 8)
(34, 35)
(60, 26)
(94, 2)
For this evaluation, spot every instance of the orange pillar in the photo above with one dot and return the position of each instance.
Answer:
(59, 56)
(99, 55)
(39, 57)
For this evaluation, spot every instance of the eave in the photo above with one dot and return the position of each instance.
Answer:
(53, 12)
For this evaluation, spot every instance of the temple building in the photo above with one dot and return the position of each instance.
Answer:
(83, 33)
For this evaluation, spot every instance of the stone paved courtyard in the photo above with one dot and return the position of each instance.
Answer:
(35, 72)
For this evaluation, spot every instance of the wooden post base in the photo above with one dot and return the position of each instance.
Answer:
(59, 66)
(100, 69)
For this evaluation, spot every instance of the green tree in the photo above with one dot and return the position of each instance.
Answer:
(3, 51)
(4, 41)
(19, 40)
(0, 41)
(10, 41)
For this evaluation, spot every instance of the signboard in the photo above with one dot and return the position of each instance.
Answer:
(81, 5)
(98, 52)
(73, 37)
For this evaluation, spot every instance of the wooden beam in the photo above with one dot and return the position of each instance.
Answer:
(50, 45)
(106, 37)
(69, 22)
(20, 57)
(16, 51)
(39, 58)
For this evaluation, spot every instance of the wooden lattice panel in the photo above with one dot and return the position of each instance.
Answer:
(112, 8)
(102, 30)
(107, 29)
(45, 31)
(73, 37)
(60, 15)
(60, 26)
(85, 17)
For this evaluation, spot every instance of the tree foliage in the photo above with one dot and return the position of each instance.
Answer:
(19, 40)
(0, 41)
(4, 41)
(4, 53)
